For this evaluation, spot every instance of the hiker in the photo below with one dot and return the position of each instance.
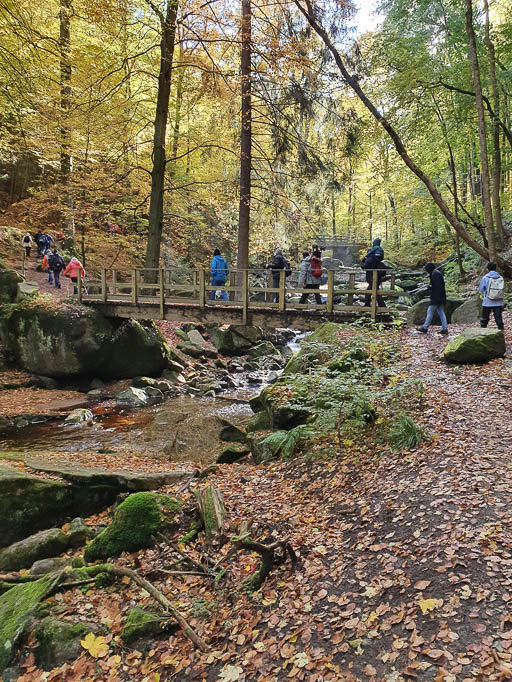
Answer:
(56, 264)
(219, 271)
(46, 266)
(45, 242)
(492, 286)
(373, 261)
(38, 238)
(73, 268)
(279, 263)
(26, 242)
(437, 300)
(310, 276)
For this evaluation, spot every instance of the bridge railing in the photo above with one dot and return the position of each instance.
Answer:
(245, 289)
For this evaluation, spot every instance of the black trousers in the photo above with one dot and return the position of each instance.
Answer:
(304, 297)
(368, 299)
(497, 312)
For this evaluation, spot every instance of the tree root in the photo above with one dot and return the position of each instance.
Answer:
(269, 558)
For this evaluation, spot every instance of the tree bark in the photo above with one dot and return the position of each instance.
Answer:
(156, 202)
(482, 136)
(66, 162)
(244, 210)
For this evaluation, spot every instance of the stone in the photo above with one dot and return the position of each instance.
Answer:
(475, 345)
(143, 382)
(469, 312)
(416, 313)
(97, 383)
(78, 532)
(235, 340)
(135, 397)
(231, 433)
(258, 422)
(44, 566)
(407, 284)
(266, 448)
(193, 351)
(79, 415)
(195, 337)
(17, 606)
(154, 393)
(232, 454)
(140, 623)
(97, 393)
(26, 291)
(22, 554)
(58, 642)
(164, 385)
(46, 382)
(263, 349)
(69, 340)
(9, 280)
(135, 523)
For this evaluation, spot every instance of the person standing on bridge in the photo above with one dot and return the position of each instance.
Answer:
(373, 261)
(219, 271)
(310, 276)
(73, 268)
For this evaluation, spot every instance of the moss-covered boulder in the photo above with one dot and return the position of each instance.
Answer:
(140, 624)
(417, 312)
(283, 413)
(26, 291)
(9, 280)
(475, 345)
(268, 447)
(263, 349)
(317, 348)
(46, 543)
(136, 521)
(58, 641)
(258, 422)
(16, 608)
(236, 339)
(68, 340)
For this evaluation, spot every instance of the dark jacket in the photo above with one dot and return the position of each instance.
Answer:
(437, 288)
(279, 263)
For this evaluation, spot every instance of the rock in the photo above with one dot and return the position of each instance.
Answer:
(154, 393)
(258, 422)
(164, 385)
(97, 383)
(193, 351)
(79, 415)
(475, 345)
(46, 382)
(177, 361)
(78, 532)
(46, 543)
(26, 291)
(68, 340)
(316, 348)
(256, 404)
(143, 382)
(44, 566)
(21, 422)
(469, 312)
(282, 415)
(140, 624)
(329, 263)
(9, 280)
(236, 339)
(416, 313)
(59, 641)
(134, 524)
(5, 424)
(407, 284)
(195, 338)
(232, 454)
(254, 378)
(16, 608)
(135, 397)
(266, 448)
(231, 433)
(97, 393)
(263, 349)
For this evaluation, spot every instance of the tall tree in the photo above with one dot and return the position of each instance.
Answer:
(65, 106)
(244, 209)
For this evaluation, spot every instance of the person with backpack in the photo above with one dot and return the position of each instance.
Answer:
(279, 263)
(310, 276)
(26, 242)
(47, 242)
(219, 271)
(56, 265)
(38, 238)
(437, 300)
(373, 261)
(72, 269)
(492, 286)
(45, 266)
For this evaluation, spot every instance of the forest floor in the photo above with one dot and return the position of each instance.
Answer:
(405, 559)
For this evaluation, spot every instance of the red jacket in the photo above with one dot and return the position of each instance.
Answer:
(73, 267)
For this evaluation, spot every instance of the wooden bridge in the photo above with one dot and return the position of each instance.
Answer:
(184, 295)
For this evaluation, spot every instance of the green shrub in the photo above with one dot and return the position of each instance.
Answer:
(404, 434)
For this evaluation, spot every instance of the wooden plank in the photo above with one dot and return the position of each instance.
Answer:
(202, 290)
(352, 288)
(282, 290)
(104, 285)
(330, 288)
(245, 295)
(161, 283)
(114, 282)
(373, 305)
(134, 287)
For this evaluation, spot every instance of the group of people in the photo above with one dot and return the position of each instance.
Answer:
(53, 262)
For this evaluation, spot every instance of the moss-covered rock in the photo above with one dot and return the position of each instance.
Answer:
(16, 607)
(268, 447)
(59, 641)
(316, 349)
(475, 345)
(236, 339)
(9, 280)
(134, 524)
(258, 422)
(70, 340)
(283, 414)
(46, 543)
(263, 349)
(140, 624)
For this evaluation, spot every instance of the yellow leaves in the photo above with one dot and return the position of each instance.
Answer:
(96, 646)
(230, 673)
(301, 659)
(427, 605)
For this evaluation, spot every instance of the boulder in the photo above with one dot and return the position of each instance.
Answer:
(266, 448)
(26, 291)
(407, 284)
(79, 415)
(263, 349)
(9, 280)
(236, 339)
(231, 433)
(143, 382)
(469, 312)
(154, 393)
(78, 532)
(416, 313)
(258, 422)
(59, 641)
(46, 382)
(135, 397)
(135, 522)
(195, 337)
(140, 624)
(69, 340)
(46, 543)
(282, 415)
(475, 345)
(190, 349)
(97, 383)
(44, 566)
(232, 454)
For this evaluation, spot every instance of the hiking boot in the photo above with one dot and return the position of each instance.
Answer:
(422, 330)
(444, 331)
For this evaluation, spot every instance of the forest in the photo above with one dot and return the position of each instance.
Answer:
(203, 125)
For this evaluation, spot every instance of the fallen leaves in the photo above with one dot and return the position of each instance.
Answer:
(96, 646)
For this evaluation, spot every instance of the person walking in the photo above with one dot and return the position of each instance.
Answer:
(47, 242)
(437, 300)
(492, 286)
(310, 276)
(219, 271)
(279, 263)
(46, 266)
(27, 242)
(38, 238)
(72, 269)
(373, 261)
(56, 264)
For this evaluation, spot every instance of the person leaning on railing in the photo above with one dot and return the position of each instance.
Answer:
(373, 261)
(219, 271)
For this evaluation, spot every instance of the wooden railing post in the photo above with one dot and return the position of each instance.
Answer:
(392, 281)
(330, 291)
(282, 290)
(104, 285)
(79, 284)
(134, 287)
(375, 281)
(245, 295)
(162, 293)
(270, 283)
(202, 290)
(114, 282)
(351, 285)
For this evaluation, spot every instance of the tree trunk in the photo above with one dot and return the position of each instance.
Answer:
(484, 161)
(177, 118)
(156, 202)
(244, 210)
(66, 163)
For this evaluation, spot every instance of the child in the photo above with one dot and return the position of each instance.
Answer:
(492, 286)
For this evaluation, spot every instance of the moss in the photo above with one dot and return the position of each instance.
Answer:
(140, 623)
(258, 422)
(58, 640)
(16, 607)
(195, 528)
(135, 522)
